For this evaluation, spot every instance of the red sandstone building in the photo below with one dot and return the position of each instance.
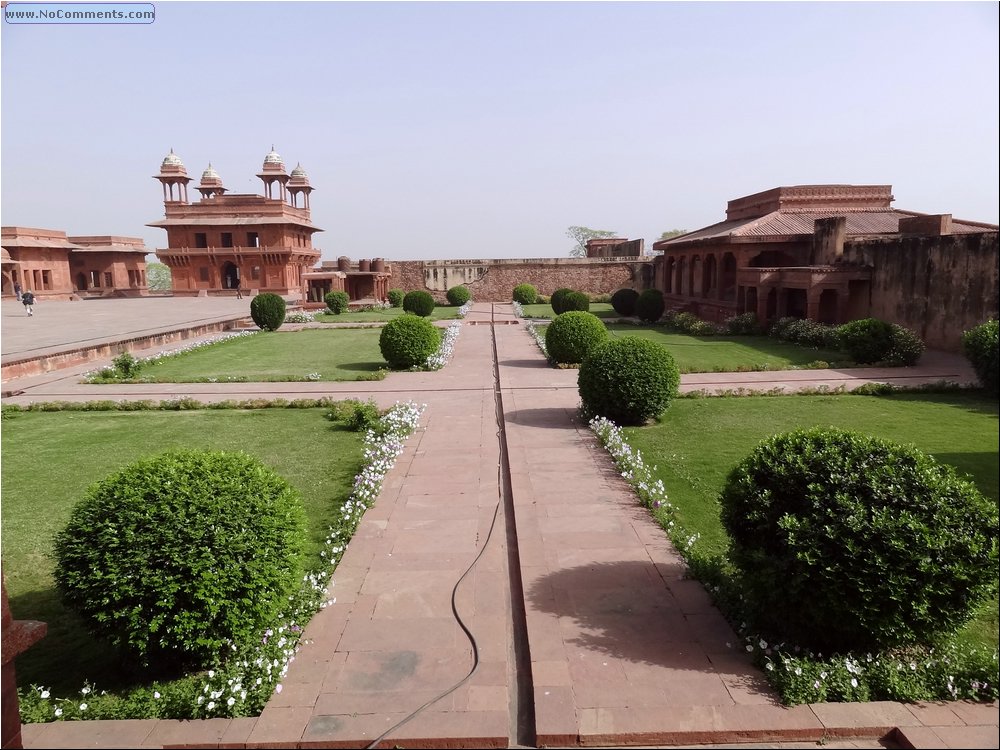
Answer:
(55, 266)
(264, 242)
(782, 253)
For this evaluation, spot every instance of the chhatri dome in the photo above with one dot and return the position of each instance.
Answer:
(172, 160)
(274, 158)
(210, 175)
(299, 172)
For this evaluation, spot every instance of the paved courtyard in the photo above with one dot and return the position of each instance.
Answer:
(584, 628)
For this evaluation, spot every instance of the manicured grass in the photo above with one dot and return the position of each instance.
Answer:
(50, 458)
(440, 312)
(600, 309)
(336, 354)
(698, 441)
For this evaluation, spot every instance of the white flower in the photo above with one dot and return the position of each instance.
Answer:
(231, 701)
(83, 706)
(854, 682)
(45, 693)
(84, 691)
(58, 712)
(211, 705)
(156, 694)
(278, 688)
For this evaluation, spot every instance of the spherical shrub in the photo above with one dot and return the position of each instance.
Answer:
(525, 294)
(558, 300)
(906, 347)
(174, 557)
(576, 301)
(408, 341)
(268, 311)
(980, 347)
(623, 301)
(866, 341)
(419, 303)
(627, 380)
(850, 542)
(571, 336)
(338, 302)
(649, 307)
(458, 295)
(395, 297)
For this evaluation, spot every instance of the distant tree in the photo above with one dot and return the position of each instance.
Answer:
(580, 235)
(672, 233)
(158, 277)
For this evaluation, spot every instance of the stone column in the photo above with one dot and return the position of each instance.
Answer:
(812, 302)
(763, 292)
(18, 636)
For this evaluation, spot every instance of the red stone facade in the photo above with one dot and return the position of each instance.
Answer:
(261, 243)
(55, 266)
(365, 281)
(494, 280)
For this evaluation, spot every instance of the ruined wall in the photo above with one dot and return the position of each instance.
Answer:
(494, 280)
(936, 286)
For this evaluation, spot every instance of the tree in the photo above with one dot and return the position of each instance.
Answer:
(580, 235)
(672, 233)
(158, 277)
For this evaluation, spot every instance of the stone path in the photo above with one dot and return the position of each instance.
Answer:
(586, 631)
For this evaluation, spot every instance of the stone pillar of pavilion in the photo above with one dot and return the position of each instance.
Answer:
(18, 636)
(173, 175)
(273, 172)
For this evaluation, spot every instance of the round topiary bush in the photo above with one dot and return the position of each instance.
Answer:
(906, 347)
(408, 341)
(866, 341)
(980, 347)
(576, 301)
(395, 297)
(628, 380)
(338, 302)
(571, 336)
(458, 295)
(649, 307)
(850, 542)
(268, 311)
(557, 300)
(623, 301)
(174, 557)
(525, 294)
(419, 303)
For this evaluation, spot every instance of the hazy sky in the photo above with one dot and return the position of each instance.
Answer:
(484, 130)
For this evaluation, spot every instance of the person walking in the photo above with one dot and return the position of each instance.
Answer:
(28, 300)
(236, 285)
(17, 290)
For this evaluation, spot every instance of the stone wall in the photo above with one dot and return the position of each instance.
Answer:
(494, 280)
(936, 286)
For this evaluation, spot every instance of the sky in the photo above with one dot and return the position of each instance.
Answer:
(485, 130)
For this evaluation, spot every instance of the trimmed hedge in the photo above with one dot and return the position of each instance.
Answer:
(174, 557)
(458, 295)
(395, 297)
(576, 301)
(866, 341)
(623, 301)
(525, 294)
(850, 542)
(980, 346)
(338, 302)
(558, 300)
(419, 302)
(571, 336)
(268, 311)
(408, 341)
(628, 380)
(650, 305)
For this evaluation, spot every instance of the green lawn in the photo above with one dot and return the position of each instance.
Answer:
(728, 353)
(50, 458)
(336, 354)
(441, 312)
(600, 309)
(698, 441)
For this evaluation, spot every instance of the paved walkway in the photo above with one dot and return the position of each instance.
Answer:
(585, 630)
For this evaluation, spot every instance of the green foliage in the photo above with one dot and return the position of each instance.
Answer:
(704, 328)
(525, 294)
(580, 235)
(981, 346)
(576, 301)
(458, 295)
(419, 302)
(338, 302)
(745, 324)
(395, 297)
(356, 415)
(906, 347)
(175, 557)
(408, 341)
(850, 542)
(571, 336)
(158, 277)
(650, 305)
(866, 341)
(126, 366)
(628, 380)
(558, 300)
(602, 298)
(623, 301)
(268, 311)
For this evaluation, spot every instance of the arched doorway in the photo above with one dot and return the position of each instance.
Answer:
(230, 275)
